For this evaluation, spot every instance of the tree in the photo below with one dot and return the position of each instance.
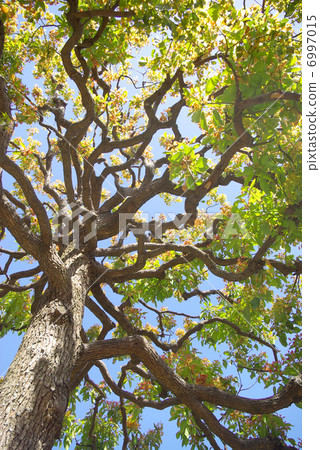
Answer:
(135, 102)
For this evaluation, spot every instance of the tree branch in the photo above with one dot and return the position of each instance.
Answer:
(102, 13)
(137, 346)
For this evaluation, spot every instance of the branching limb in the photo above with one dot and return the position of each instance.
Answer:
(35, 204)
(15, 224)
(137, 346)
(206, 432)
(238, 330)
(201, 294)
(189, 252)
(140, 401)
(107, 324)
(91, 434)
(103, 13)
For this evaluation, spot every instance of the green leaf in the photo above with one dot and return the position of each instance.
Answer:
(266, 319)
(113, 60)
(210, 86)
(228, 95)
(247, 313)
(260, 66)
(265, 228)
(196, 116)
(216, 117)
(255, 302)
(201, 164)
(190, 183)
(176, 157)
(283, 339)
(248, 173)
(206, 140)
(188, 150)
(263, 430)
(214, 11)
(225, 363)
(264, 185)
(186, 432)
(170, 24)
(203, 122)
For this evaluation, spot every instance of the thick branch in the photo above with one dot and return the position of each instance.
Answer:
(132, 397)
(137, 346)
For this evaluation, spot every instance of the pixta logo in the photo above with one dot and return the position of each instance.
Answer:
(69, 225)
(149, 226)
(230, 227)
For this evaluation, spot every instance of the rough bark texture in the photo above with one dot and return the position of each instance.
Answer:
(34, 393)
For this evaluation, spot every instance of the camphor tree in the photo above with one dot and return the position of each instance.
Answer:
(170, 102)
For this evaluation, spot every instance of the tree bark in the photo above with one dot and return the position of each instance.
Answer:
(34, 393)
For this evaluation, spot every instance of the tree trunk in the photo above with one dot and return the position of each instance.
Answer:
(34, 393)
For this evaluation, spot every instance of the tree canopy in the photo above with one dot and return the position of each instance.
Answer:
(150, 219)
